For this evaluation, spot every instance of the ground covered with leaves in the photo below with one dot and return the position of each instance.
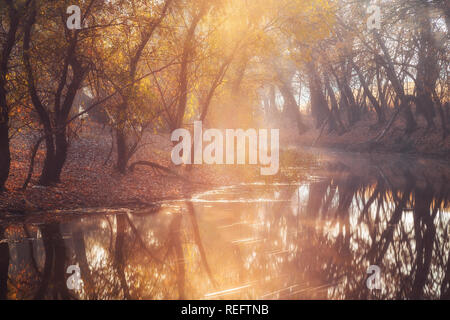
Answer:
(89, 178)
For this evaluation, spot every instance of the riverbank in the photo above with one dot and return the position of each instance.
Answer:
(89, 179)
(422, 142)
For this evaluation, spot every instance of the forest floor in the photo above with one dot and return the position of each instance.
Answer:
(89, 178)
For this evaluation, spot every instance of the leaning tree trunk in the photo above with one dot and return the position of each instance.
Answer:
(336, 118)
(380, 112)
(411, 123)
(344, 102)
(319, 105)
(354, 112)
(292, 109)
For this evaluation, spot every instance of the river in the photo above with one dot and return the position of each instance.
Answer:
(313, 236)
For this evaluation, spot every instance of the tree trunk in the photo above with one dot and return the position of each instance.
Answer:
(7, 46)
(334, 106)
(122, 151)
(5, 155)
(319, 105)
(354, 114)
(381, 89)
(291, 106)
(183, 75)
(49, 170)
(411, 123)
(427, 69)
(62, 147)
(380, 113)
(344, 103)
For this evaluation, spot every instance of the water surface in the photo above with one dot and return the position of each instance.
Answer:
(311, 237)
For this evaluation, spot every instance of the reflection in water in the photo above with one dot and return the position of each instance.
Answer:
(310, 239)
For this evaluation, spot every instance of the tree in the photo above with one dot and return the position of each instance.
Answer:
(56, 61)
(123, 66)
(13, 16)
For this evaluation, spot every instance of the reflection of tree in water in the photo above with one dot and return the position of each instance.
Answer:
(4, 264)
(53, 282)
(315, 241)
(392, 224)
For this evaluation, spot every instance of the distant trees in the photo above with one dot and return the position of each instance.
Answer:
(353, 73)
(373, 69)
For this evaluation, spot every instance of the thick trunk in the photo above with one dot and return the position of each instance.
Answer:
(55, 157)
(122, 151)
(48, 175)
(7, 46)
(5, 155)
(425, 106)
(411, 123)
(60, 152)
(427, 70)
